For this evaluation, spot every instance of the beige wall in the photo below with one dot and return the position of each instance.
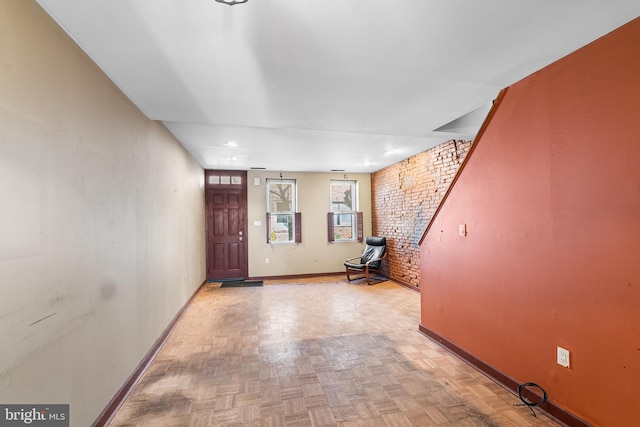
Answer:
(315, 254)
(101, 225)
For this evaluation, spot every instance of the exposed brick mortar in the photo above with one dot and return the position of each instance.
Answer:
(405, 196)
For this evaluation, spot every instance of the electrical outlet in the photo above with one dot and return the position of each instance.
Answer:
(266, 260)
(563, 357)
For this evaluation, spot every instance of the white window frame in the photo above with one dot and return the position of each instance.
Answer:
(339, 214)
(277, 231)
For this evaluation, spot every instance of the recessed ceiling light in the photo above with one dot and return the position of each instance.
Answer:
(388, 152)
(230, 144)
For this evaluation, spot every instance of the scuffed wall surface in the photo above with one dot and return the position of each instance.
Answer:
(101, 226)
(405, 197)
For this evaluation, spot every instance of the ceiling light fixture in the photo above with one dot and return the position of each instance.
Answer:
(232, 2)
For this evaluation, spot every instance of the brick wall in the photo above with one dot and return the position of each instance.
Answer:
(405, 197)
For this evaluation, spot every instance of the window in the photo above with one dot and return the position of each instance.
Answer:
(283, 222)
(224, 180)
(344, 220)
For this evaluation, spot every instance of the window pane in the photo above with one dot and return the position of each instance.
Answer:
(342, 193)
(282, 228)
(281, 196)
(343, 226)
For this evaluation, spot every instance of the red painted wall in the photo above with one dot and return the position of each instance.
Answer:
(551, 200)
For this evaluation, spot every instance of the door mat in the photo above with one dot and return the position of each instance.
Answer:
(241, 283)
(231, 279)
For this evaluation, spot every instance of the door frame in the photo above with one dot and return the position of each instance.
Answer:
(227, 180)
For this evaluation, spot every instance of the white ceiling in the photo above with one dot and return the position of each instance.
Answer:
(316, 85)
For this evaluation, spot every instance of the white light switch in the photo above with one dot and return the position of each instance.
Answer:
(257, 223)
(462, 229)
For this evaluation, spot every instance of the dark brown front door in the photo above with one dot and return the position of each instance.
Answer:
(226, 216)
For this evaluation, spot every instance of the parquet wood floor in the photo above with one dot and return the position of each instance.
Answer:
(321, 352)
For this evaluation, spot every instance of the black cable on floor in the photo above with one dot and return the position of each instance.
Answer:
(530, 405)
